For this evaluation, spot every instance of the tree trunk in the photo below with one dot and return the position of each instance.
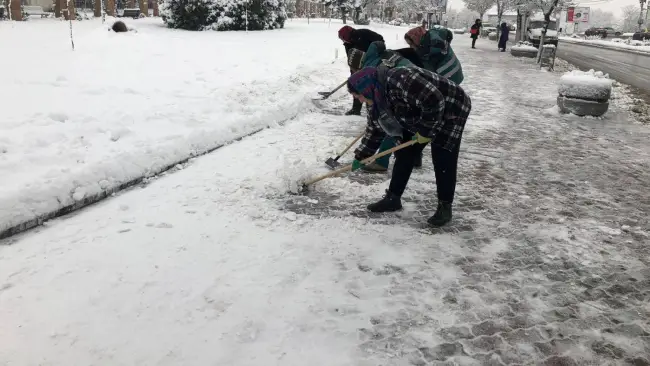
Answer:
(98, 8)
(144, 7)
(547, 21)
(110, 7)
(15, 11)
(71, 11)
(57, 8)
(130, 4)
(343, 15)
(156, 12)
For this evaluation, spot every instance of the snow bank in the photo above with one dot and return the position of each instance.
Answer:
(131, 104)
(628, 44)
(524, 46)
(590, 85)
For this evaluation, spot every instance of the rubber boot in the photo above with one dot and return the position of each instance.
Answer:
(390, 203)
(381, 164)
(442, 215)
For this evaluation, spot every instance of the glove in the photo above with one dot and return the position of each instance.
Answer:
(356, 164)
(421, 139)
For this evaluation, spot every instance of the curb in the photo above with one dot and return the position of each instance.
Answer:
(613, 48)
(90, 200)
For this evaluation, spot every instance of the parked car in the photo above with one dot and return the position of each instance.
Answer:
(488, 28)
(397, 22)
(534, 32)
(641, 36)
(602, 32)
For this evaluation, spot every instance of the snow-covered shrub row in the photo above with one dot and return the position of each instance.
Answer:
(224, 15)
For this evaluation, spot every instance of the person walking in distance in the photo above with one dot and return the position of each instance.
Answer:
(411, 103)
(505, 35)
(475, 31)
(359, 39)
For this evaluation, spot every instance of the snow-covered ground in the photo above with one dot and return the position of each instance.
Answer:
(628, 44)
(123, 105)
(546, 261)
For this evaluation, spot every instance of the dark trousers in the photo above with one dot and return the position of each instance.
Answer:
(356, 105)
(445, 165)
(474, 41)
(502, 44)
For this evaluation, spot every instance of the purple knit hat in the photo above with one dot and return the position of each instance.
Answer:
(366, 83)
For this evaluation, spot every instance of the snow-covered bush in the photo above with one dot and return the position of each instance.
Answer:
(492, 36)
(223, 14)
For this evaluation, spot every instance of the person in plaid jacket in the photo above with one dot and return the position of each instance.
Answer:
(413, 103)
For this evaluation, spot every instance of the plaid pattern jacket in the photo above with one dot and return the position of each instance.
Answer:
(422, 102)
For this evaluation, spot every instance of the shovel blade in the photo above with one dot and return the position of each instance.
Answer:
(332, 163)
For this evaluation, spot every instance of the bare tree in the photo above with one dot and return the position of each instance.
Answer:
(466, 18)
(156, 12)
(630, 19)
(110, 7)
(479, 6)
(14, 10)
(98, 8)
(601, 18)
(502, 7)
(547, 7)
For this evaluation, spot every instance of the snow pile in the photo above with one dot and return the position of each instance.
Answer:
(590, 85)
(614, 43)
(524, 46)
(128, 105)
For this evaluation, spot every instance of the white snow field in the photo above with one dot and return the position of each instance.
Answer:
(545, 261)
(125, 105)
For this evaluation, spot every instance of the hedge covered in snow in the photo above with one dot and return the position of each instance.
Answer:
(223, 15)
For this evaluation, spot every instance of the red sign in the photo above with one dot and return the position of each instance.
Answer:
(570, 14)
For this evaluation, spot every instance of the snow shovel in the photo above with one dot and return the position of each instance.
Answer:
(329, 93)
(334, 163)
(305, 185)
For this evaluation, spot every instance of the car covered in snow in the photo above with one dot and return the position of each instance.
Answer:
(396, 22)
(534, 32)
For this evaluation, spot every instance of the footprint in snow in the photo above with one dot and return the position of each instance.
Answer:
(164, 225)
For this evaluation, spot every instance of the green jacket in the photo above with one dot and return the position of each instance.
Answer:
(377, 53)
(438, 56)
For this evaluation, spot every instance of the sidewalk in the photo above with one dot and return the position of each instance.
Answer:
(546, 260)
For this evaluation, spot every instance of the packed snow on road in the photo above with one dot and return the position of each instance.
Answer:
(214, 263)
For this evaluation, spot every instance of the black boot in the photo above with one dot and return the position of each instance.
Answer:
(390, 203)
(353, 112)
(418, 161)
(442, 215)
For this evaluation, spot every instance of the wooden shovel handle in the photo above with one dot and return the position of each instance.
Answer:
(352, 143)
(364, 162)
(335, 90)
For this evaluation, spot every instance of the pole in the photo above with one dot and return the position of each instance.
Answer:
(642, 2)
(646, 16)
